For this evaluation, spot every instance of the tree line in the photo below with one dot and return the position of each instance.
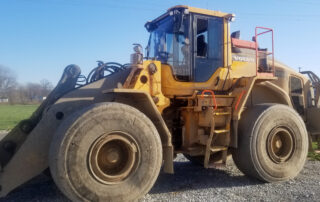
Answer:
(15, 93)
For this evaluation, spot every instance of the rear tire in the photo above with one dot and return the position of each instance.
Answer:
(273, 143)
(106, 152)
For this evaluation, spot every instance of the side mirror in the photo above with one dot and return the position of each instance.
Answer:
(150, 26)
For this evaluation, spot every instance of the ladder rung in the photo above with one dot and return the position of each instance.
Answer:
(221, 113)
(218, 148)
(222, 131)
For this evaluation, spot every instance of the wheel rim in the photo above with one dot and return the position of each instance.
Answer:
(113, 157)
(280, 144)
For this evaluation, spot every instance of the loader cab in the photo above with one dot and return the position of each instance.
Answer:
(169, 42)
(190, 41)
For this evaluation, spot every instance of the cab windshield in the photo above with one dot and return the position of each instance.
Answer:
(169, 43)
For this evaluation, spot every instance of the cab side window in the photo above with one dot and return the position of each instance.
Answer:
(296, 91)
(296, 85)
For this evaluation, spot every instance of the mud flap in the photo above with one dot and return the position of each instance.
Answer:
(168, 159)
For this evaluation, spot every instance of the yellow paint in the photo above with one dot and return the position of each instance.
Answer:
(171, 87)
(153, 84)
(227, 44)
(243, 69)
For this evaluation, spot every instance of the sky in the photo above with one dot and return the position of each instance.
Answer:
(38, 38)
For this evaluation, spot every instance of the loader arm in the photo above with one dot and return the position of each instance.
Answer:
(16, 137)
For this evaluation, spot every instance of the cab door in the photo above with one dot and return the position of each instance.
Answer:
(208, 46)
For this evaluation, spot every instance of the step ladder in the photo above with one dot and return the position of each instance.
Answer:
(227, 112)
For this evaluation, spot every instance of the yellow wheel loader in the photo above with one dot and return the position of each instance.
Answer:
(199, 90)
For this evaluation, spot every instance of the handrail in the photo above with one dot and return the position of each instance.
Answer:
(213, 97)
(257, 51)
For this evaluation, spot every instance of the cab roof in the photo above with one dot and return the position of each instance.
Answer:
(202, 11)
(192, 10)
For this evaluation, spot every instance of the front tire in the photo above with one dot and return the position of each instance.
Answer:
(107, 152)
(273, 143)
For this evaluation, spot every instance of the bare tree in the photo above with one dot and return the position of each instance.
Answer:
(8, 82)
(46, 87)
(33, 92)
(28, 93)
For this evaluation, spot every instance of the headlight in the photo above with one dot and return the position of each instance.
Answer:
(152, 68)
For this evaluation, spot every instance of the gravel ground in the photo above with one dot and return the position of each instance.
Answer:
(194, 183)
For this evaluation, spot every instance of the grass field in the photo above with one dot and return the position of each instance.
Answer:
(314, 155)
(10, 115)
